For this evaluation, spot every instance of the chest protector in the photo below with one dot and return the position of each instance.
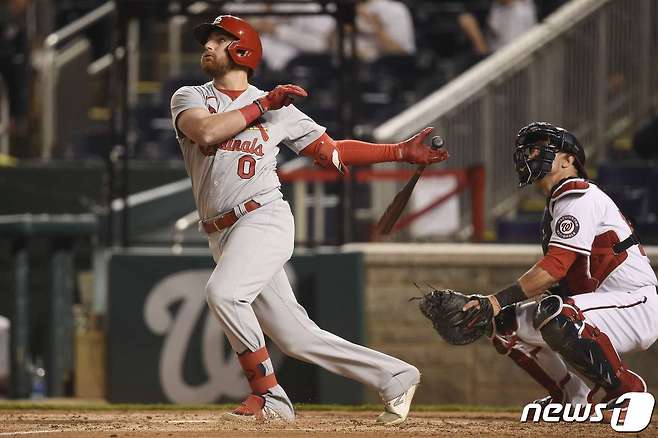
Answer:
(607, 252)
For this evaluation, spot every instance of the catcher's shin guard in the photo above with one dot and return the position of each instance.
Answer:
(505, 322)
(525, 357)
(585, 347)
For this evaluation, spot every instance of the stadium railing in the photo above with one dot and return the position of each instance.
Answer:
(65, 70)
(310, 209)
(588, 67)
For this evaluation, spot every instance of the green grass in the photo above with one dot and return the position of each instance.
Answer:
(76, 405)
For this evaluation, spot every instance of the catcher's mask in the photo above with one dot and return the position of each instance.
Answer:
(536, 147)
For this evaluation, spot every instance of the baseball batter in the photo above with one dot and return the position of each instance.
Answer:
(605, 302)
(229, 133)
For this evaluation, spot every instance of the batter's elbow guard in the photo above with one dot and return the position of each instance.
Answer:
(327, 155)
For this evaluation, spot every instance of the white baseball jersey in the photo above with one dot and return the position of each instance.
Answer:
(585, 220)
(243, 167)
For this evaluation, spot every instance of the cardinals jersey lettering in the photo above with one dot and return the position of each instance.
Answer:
(581, 218)
(243, 167)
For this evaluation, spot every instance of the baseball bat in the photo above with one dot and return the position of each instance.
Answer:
(394, 210)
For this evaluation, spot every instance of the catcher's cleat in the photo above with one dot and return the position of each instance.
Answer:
(397, 409)
(253, 409)
(613, 404)
(543, 402)
(629, 382)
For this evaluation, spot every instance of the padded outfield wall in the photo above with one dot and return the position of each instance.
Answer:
(163, 346)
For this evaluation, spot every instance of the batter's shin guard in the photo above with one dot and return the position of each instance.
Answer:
(525, 357)
(585, 347)
(254, 368)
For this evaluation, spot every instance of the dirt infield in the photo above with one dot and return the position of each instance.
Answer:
(208, 424)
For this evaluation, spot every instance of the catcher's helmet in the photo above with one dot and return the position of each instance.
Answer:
(536, 146)
(246, 50)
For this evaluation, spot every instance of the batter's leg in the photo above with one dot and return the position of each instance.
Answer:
(286, 322)
(255, 250)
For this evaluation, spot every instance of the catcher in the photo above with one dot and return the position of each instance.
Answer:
(601, 296)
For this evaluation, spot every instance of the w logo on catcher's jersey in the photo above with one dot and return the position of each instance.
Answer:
(567, 227)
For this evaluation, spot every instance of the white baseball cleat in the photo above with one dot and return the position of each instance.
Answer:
(397, 409)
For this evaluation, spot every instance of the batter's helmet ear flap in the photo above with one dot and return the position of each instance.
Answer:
(241, 55)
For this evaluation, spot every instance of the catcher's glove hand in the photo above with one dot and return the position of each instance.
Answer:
(444, 309)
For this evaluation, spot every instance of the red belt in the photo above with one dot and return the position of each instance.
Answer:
(227, 219)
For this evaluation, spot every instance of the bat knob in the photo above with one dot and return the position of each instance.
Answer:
(437, 142)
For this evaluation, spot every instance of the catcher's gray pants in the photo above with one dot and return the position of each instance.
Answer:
(249, 293)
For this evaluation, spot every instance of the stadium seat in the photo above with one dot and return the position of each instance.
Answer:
(632, 186)
(633, 202)
(631, 174)
(313, 70)
(522, 229)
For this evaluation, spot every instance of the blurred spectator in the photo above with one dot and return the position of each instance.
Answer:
(286, 37)
(385, 28)
(506, 21)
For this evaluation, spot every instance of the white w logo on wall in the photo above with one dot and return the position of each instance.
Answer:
(225, 377)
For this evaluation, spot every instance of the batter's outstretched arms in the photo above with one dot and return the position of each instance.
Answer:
(331, 153)
(207, 129)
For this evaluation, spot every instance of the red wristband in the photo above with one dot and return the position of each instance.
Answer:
(250, 113)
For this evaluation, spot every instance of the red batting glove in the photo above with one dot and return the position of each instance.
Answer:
(282, 95)
(415, 152)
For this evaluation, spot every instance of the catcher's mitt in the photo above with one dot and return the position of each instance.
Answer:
(444, 309)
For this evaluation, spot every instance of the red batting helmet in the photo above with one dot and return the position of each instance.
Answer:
(246, 50)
